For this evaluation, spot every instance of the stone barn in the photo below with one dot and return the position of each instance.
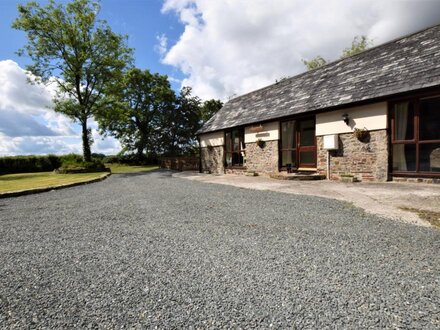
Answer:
(374, 116)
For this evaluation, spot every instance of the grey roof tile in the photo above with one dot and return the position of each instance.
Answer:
(406, 64)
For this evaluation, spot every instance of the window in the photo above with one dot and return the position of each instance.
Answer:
(415, 136)
(234, 148)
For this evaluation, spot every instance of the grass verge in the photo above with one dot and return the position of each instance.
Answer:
(432, 217)
(121, 168)
(24, 181)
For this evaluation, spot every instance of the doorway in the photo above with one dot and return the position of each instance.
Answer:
(298, 144)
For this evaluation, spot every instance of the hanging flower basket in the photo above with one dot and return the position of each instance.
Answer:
(361, 133)
(261, 143)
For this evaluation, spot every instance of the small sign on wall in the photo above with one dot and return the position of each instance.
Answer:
(331, 142)
(262, 134)
(256, 129)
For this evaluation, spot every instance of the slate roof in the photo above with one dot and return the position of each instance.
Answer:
(405, 64)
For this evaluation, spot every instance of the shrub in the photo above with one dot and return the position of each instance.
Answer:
(95, 165)
(27, 164)
(71, 159)
(131, 159)
(111, 159)
(98, 156)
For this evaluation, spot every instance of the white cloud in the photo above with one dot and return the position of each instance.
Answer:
(28, 125)
(34, 145)
(161, 46)
(235, 46)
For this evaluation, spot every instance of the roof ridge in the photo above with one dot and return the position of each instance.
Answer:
(380, 45)
(408, 63)
(334, 62)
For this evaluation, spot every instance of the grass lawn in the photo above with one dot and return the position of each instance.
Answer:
(23, 181)
(121, 168)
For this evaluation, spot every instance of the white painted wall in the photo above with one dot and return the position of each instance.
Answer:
(372, 117)
(270, 132)
(212, 139)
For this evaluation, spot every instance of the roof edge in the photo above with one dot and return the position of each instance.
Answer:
(335, 61)
(382, 98)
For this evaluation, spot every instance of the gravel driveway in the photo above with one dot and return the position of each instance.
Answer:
(149, 250)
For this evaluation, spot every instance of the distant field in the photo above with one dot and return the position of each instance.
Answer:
(23, 181)
(120, 168)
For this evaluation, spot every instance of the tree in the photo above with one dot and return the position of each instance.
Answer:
(209, 108)
(68, 45)
(358, 45)
(135, 122)
(315, 63)
(180, 124)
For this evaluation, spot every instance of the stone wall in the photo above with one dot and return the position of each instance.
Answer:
(212, 160)
(262, 160)
(366, 160)
(236, 170)
(180, 163)
(416, 180)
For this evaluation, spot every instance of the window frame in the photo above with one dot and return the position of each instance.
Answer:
(416, 141)
(241, 151)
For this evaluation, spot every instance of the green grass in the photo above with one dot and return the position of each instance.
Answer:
(24, 181)
(121, 168)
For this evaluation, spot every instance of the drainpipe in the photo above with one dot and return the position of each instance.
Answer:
(200, 154)
(328, 164)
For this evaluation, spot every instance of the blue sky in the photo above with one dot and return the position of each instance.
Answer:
(141, 20)
(220, 48)
(36, 132)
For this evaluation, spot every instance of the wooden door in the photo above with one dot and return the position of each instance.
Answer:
(298, 144)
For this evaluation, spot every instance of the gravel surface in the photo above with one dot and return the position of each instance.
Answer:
(149, 250)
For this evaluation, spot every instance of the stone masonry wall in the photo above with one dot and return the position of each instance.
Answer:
(212, 160)
(236, 170)
(262, 160)
(367, 160)
(416, 180)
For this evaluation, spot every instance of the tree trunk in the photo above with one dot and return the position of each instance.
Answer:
(86, 142)
(140, 154)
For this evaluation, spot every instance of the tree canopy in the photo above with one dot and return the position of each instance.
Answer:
(315, 63)
(358, 45)
(70, 47)
(209, 108)
(149, 119)
(136, 120)
(179, 126)
(92, 69)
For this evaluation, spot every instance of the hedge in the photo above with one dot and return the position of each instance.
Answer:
(28, 164)
(131, 159)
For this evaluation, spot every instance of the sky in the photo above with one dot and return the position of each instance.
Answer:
(221, 48)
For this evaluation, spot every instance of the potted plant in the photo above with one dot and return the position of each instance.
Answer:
(348, 178)
(361, 133)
